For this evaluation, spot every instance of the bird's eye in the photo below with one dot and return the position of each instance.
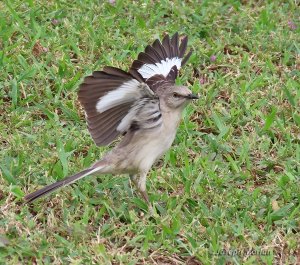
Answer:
(175, 95)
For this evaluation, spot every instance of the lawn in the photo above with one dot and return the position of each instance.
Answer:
(227, 192)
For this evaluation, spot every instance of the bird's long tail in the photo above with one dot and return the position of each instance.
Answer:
(64, 182)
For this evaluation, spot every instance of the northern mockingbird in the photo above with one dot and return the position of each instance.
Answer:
(143, 105)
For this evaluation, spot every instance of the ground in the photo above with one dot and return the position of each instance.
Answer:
(228, 190)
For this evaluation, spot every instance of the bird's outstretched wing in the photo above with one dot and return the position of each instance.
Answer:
(115, 102)
(161, 61)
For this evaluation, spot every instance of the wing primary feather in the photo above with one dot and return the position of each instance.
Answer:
(116, 72)
(135, 74)
(94, 123)
(185, 59)
(160, 49)
(146, 58)
(108, 134)
(183, 46)
(173, 73)
(175, 44)
(167, 45)
(154, 52)
(137, 64)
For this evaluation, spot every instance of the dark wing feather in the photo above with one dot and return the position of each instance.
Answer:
(167, 46)
(154, 53)
(160, 59)
(157, 81)
(116, 72)
(106, 130)
(185, 59)
(146, 58)
(92, 89)
(160, 49)
(172, 74)
(183, 46)
(175, 45)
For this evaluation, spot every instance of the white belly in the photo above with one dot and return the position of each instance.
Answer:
(156, 143)
(144, 147)
(153, 149)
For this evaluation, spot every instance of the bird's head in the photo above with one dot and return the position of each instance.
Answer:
(177, 97)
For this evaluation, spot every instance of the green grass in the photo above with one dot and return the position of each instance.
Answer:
(230, 181)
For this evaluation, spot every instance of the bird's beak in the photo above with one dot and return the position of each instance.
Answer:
(192, 96)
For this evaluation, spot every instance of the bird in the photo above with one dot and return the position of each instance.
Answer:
(140, 109)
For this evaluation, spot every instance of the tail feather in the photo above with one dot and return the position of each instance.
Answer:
(64, 182)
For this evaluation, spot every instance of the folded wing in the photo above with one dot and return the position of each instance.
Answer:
(144, 114)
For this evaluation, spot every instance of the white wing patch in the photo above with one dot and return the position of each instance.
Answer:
(162, 68)
(126, 121)
(127, 92)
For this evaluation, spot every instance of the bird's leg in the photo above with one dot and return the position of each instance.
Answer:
(140, 183)
(134, 179)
